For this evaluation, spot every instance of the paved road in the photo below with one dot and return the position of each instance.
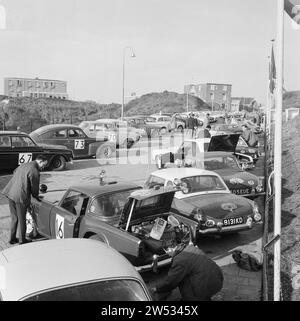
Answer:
(239, 284)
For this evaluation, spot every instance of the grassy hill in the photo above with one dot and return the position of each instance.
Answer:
(29, 113)
(291, 99)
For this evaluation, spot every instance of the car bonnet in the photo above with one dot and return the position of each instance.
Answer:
(223, 143)
(144, 203)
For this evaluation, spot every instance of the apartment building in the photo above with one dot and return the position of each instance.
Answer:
(35, 88)
(216, 95)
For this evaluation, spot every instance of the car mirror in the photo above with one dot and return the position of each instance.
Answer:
(43, 188)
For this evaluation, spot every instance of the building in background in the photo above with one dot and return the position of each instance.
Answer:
(35, 88)
(244, 103)
(218, 96)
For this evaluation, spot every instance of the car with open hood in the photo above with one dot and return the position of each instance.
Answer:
(68, 270)
(215, 154)
(204, 197)
(136, 222)
(17, 148)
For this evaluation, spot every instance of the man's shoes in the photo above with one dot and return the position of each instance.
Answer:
(25, 241)
(13, 241)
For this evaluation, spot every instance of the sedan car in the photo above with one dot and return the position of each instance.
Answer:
(17, 148)
(68, 270)
(204, 197)
(70, 136)
(133, 221)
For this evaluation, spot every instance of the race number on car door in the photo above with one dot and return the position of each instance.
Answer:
(24, 158)
(59, 226)
(79, 144)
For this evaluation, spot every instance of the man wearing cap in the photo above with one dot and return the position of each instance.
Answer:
(197, 276)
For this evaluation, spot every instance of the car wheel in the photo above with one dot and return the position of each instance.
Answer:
(180, 128)
(159, 163)
(163, 131)
(105, 151)
(58, 163)
(129, 143)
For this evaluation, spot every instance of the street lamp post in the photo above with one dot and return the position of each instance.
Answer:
(132, 56)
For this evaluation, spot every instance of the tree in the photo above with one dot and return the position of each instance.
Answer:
(3, 112)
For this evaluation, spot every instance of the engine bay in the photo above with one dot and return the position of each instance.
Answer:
(161, 236)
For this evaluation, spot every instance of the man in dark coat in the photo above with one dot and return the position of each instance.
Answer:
(197, 276)
(249, 136)
(24, 184)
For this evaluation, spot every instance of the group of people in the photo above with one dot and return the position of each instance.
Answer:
(196, 128)
(197, 276)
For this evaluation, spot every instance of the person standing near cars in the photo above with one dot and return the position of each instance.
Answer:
(249, 136)
(24, 184)
(197, 276)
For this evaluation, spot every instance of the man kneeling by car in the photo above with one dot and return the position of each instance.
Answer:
(197, 276)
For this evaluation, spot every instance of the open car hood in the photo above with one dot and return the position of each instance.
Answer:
(222, 143)
(147, 202)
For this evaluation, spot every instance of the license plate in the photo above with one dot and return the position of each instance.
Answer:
(233, 221)
(241, 191)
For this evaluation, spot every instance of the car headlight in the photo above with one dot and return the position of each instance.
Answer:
(210, 223)
(257, 217)
(259, 189)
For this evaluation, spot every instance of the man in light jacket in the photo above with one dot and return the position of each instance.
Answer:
(24, 184)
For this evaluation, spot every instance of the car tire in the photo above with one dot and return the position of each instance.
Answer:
(180, 128)
(163, 131)
(105, 151)
(158, 162)
(58, 163)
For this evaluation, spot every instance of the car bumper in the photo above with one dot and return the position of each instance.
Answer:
(227, 229)
(154, 265)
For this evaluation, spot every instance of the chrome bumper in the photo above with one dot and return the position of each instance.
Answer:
(225, 229)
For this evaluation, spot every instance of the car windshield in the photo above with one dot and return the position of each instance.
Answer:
(221, 162)
(108, 290)
(110, 204)
(203, 183)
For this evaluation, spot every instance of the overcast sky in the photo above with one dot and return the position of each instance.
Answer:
(175, 41)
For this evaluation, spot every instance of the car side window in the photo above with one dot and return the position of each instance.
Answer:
(75, 203)
(5, 141)
(60, 134)
(75, 133)
(21, 141)
(154, 181)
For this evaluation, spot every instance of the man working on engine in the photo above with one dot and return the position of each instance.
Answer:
(197, 276)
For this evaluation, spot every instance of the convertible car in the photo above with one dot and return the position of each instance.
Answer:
(204, 197)
(133, 221)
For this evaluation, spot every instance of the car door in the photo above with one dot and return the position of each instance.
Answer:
(65, 217)
(24, 150)
(6, 154)
(77, 139)
(56, 137)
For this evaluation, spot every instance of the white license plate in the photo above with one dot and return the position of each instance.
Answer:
(233, 221)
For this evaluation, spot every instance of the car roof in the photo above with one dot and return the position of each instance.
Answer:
(45, 128)
(96, 189)
(43, 265)
(170, 173)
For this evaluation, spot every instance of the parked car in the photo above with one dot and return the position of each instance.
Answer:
(204, 198)
(17, 148)
(68, 270)
(215, 154)
(70, 136)
(113, 130)
(163, 123)
(118, 214)
(137, 122)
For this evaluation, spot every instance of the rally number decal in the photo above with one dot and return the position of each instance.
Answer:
(24, 158)
(59, 226)
(79, 144)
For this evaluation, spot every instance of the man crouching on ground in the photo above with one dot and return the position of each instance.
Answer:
(24, 184)
(197, 276)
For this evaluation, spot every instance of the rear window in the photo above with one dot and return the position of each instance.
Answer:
(109, 290)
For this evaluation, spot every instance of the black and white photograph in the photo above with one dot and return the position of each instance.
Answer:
(150, 151)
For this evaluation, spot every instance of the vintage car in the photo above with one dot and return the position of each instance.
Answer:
(204, 197)
(162, 123)
(226, 164)
(113, 130)
(131, 220)
(227, 143)
(68, 270)
(70, 136)
(17, 148)
(241, 147)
